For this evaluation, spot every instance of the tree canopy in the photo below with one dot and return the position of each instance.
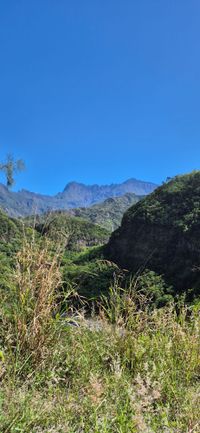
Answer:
(10, 167)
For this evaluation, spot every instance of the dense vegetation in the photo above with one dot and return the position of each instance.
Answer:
(128, 369)
(161, 232)
(108, 214)
(73, 233)
(12, 233)
(88, 346)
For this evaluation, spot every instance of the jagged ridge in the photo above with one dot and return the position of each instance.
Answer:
(25, 203)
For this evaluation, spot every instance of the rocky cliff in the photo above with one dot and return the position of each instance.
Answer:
(162, 233)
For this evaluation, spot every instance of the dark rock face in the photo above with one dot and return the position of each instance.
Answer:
(24, 203)
(162, 233)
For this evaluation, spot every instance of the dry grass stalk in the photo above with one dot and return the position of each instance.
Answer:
(36, 280)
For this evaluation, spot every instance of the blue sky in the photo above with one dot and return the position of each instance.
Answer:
(99, 91)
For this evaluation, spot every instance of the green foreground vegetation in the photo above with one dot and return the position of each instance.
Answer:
(87, 346)
(129, 367)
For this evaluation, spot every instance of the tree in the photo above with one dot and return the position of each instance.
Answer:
(10, 167)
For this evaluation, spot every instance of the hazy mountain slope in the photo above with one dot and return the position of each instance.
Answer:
(78, 194)
(25, 203)
(109, 213)
(162, 232)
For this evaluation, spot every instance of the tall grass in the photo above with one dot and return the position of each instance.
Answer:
(27, 313)
(131, 369)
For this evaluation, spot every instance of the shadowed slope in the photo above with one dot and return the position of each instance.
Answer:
(162, 232)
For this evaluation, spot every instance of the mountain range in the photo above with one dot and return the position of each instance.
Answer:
(74, 195)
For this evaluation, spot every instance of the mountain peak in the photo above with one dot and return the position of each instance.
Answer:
(72, 184)
(75, 194)
(133, 181)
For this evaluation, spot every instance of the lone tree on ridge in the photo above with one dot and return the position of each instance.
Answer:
(10, 167)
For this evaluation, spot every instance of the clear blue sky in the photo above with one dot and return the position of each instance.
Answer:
(99, 90)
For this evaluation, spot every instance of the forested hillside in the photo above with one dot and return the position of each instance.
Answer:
(161, 233)
(109, 213)
(95, 335)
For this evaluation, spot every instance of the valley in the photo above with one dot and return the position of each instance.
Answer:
(99, 315)
(24, 203)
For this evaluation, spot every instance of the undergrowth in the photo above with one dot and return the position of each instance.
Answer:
(129, 368)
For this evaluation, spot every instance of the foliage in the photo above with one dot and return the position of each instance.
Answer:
(108, 214)
(71, 232)
(10, 167)
(88, 272)
(154, 287)
(175, 202)
(161, 233)
(92, 275)
(129, 369)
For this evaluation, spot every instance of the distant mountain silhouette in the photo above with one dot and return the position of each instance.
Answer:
(75, 195)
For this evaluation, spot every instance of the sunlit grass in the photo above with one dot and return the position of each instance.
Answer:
(129, 369)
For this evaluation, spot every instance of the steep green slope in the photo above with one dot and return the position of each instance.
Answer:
(107, 214)
(11, 233)
(162, 233)
(79, 265)
(72, 232)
